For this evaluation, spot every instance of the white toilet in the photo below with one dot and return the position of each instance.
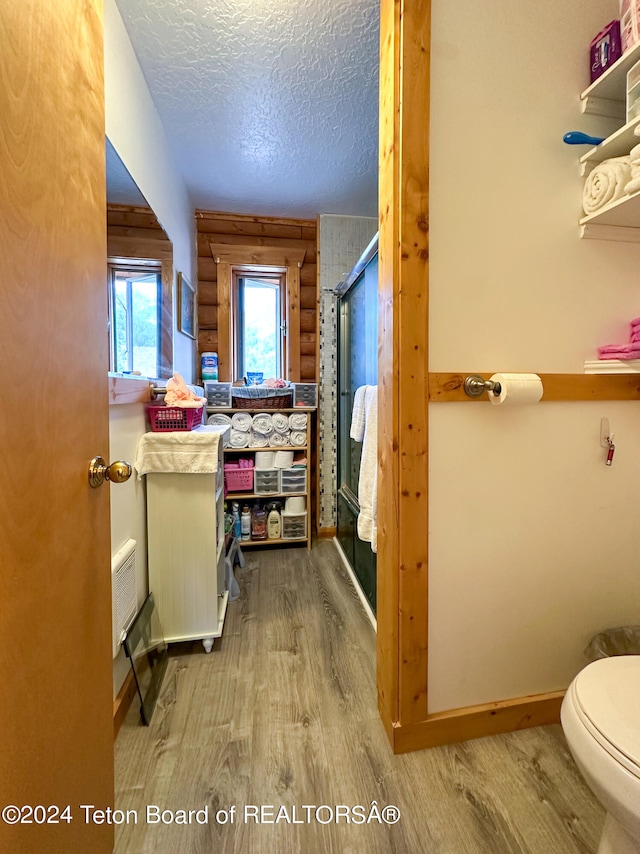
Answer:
(601, 722)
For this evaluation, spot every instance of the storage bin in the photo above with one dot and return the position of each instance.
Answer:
(266, 481)
(293, 480)
(305, 394)
(294, 526)
(166, 419)
(237, 479)
(218, 394)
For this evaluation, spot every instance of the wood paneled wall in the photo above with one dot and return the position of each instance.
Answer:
(239, 230)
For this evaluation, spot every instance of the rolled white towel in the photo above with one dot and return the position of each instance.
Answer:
(220, 419)
(241, 421)
(280, 422)
(279, 439)
(298, 421)
(634, 155)
(298, 437)
(634, 184)
(239, 439)
(262, 423)
(258, 440)
(606, 183)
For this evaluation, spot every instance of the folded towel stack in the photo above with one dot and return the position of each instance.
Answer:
(241, 463)
(606, 183)
(634, 168)
(624, 351)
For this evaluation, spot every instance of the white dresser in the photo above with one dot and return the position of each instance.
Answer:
(185, 527)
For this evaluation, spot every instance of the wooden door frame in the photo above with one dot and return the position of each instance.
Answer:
(403, 401)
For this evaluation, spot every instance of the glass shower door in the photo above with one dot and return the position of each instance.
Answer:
(357, 366)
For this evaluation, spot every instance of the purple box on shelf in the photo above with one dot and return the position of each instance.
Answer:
(606, 48)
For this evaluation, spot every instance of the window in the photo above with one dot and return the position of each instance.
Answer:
(259, 327)
(135, 296)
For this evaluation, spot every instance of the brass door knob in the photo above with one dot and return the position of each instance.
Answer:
(99, 471)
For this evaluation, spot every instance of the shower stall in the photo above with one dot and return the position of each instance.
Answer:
(357, 366)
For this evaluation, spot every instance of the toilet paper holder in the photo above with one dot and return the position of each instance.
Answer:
(475, 386)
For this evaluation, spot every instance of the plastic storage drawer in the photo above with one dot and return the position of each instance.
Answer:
(294, 526)
(293, 481)
(266, 481)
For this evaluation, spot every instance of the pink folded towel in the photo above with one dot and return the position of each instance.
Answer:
(635, 321)
(635, 336)
(619, 351)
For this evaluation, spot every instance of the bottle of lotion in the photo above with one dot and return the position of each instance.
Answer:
(273, 523)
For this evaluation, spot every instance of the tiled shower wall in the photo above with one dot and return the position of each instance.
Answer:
(341, 241)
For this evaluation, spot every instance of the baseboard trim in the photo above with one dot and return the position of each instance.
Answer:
(478, 721)
(123, 701)
(326, 533)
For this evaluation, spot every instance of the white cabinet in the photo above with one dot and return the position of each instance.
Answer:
(185, 525)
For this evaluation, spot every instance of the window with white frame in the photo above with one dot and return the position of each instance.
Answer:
(259, 311)
(135, 299)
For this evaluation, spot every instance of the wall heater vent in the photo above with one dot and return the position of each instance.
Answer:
(124, 602)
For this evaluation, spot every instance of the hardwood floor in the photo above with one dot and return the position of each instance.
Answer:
(283, 713)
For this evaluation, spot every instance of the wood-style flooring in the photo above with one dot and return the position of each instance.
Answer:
(283, 713)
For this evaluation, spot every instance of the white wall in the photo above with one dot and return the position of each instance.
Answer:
(134, 128)
(531, 534)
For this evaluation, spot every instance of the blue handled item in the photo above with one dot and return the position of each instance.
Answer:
(576, 137)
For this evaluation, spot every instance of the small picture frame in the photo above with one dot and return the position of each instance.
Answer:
(186, 306)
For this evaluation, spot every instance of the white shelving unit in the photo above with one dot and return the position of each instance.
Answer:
(606, 97)
(266, 498)
(185, 526)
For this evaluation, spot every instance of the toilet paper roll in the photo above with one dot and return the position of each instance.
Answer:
(295, 504)
(283, 459)
(516, 389)
(264, 459)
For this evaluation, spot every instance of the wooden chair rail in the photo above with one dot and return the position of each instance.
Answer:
(448, 387)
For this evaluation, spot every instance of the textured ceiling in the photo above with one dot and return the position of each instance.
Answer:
(270, 106)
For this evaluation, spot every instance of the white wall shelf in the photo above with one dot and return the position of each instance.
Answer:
(612, 84)
(623, 213)
(618, 144)
(266, 498)
(619, 221)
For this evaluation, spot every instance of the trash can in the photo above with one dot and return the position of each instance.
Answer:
(621, 641)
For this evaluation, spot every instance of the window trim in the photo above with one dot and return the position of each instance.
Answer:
(127, 250)
(279, 278)
(269, 258)
(141, 266)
